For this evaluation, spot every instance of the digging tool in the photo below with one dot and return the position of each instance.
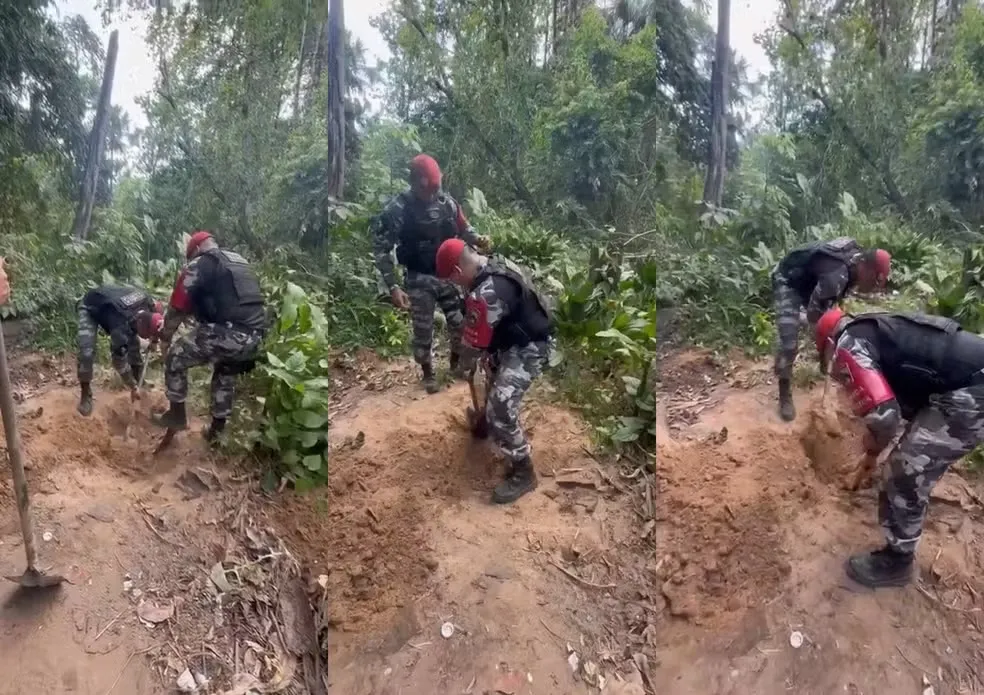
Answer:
(476, 414)
(133, 401)
(32, 577)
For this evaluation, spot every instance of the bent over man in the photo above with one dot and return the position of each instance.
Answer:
(918, 368)
(817, 276)
(126, 314)
(416, 222)
(221, 291)
(508, 320)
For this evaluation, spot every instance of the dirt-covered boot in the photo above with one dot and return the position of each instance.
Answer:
(787, 410)
(85, 402)
(521, 479)
(213, 431)
(174, 419)
(429, 380)
(880, 568)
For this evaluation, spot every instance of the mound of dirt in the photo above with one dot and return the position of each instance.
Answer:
(722, 546)
(399, 466)
(831, 440)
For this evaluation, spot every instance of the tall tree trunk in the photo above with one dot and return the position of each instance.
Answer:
(97, 140)
(553, 25)
(300, 63)
(716, 163)
(336, 99)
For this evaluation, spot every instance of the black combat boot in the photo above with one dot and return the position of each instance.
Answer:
(880, 568)
(429, 380)
(213, 431)
(173, 419)
(85, 402)
(521, 479)
(787, 410)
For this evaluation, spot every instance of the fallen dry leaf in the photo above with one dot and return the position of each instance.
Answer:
(150, 612)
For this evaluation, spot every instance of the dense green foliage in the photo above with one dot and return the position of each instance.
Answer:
(575, 134)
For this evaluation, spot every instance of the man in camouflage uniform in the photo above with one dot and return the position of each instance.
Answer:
(416, 222)
(508, 320)
(921, 369)
(222, 292)
(126, 314)
(817, 276)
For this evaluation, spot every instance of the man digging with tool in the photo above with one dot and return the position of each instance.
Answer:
(817, 276)
(508, 320)
(416, 222)
(914, 367)
(126, 314)
(222, 292)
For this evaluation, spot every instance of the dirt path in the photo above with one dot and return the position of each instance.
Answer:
(140, 540)
(754, 544)
(410, 540)
(745, 545)
(691, 581)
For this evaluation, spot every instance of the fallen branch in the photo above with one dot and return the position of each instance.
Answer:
(160, 535)
(579, 580)
(910, 661)
(127, 663)
(108, 625)
(547, 627)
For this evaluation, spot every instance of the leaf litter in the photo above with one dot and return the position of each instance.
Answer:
(260, 617)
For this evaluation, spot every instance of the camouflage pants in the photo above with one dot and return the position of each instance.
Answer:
(788, 304)
(426, 293)
(124, 348)
(225, 347)
(950, 427)
(513, 372)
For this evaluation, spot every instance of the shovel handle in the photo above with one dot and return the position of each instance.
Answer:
(14, 455)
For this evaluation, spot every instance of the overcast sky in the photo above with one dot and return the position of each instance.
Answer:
(135, 66)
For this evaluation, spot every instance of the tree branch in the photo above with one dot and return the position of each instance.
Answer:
(883, 169)
(442, 84)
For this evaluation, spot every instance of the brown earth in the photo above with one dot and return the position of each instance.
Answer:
(687, 580)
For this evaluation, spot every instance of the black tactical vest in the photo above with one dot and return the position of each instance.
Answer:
(425, 227)
(530, 320)
(231, 292)
(113, 304)
(797, 269)
(921, 355)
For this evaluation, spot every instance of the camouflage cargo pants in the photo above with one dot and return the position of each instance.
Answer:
(427, 292)
(513, 372)
(950, 427)
(788, 304)
(124, 347)
(221, 345)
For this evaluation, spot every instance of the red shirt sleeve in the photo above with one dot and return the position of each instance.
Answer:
(180, 298)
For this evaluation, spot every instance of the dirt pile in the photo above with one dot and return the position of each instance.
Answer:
(392, 473)
(721, 544)
(831, 440)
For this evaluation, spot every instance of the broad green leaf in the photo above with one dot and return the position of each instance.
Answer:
(313, 462)
(310, 419)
